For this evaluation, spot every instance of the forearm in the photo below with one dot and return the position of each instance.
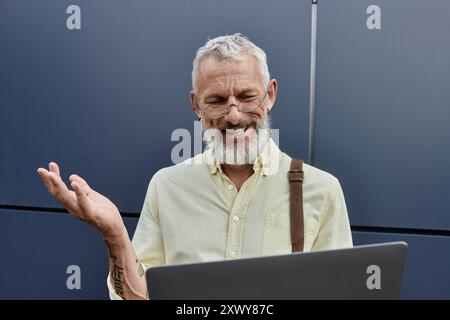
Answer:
(126, 272)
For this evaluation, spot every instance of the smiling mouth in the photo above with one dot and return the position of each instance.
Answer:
(235, 131)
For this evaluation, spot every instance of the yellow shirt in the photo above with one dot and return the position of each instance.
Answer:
(193, 212)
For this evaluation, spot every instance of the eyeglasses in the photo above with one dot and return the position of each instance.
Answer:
(221, 108)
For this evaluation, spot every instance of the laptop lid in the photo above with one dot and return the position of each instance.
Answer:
(362, 272)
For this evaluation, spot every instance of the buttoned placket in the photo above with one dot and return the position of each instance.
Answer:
(237, 213)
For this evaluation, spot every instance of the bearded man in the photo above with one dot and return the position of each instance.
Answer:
(231, 201)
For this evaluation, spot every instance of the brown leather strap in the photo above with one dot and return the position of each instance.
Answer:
(295, 178)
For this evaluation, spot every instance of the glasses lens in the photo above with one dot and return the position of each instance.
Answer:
(247, 106)
(216, 111)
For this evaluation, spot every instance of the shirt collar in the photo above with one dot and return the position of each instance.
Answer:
(268, 160)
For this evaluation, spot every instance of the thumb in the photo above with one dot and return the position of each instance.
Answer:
(82, 199)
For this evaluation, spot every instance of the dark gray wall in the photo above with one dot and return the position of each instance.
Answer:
(427, 265)
(103, 101)
(383, 110)
(38, 247)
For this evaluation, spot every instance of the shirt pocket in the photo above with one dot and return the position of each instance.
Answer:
(277, 233)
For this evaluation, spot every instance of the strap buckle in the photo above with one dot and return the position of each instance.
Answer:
(295, 175)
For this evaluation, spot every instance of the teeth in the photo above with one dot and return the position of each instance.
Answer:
(236, 132)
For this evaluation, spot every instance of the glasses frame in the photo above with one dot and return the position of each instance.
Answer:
(203, 111)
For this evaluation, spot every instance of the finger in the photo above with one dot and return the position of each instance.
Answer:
(57, 183)
(47, 178)
(43, 174)
(53, 166)
(82, 199)
(79, 180)
(58, 189)
(61, 192)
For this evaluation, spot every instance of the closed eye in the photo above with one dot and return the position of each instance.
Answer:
(215, 101)
(247, 98)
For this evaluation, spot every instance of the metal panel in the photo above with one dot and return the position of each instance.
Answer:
(427, 265)
(103, 101)
(38, 247)
(383, 109)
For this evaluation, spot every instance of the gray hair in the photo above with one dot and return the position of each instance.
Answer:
(227, 47)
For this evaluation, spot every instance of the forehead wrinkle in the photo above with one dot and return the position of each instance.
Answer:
(225, 76)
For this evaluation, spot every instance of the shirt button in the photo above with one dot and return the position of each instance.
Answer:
(233, 253)
(235, 218)
(230, 187)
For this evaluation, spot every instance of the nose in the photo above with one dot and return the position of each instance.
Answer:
(233, 115)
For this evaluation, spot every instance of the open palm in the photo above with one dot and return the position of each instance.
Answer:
(83, 202)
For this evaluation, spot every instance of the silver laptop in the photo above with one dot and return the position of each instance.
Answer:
(362, 272)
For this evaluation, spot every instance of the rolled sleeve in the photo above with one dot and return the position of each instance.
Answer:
(335, 229)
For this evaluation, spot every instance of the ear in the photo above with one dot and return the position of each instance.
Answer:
(272, 93)
(194, 104)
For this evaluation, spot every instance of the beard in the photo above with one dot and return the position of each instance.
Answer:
(228, 150)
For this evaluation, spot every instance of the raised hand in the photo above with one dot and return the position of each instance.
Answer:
(83, 202)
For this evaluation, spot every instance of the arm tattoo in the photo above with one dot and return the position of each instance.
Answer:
(116, 274)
